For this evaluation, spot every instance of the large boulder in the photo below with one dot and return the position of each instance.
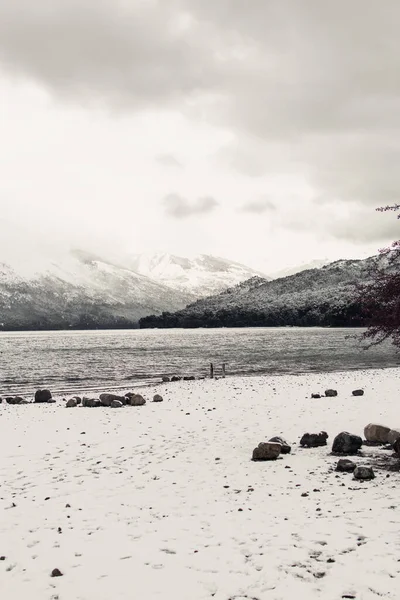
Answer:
(396, 446)
(267, 451)
(136, 400)
(393, 435)
(285, 449)
(346, 443)
(72, 403)
(43, 396)
(313, 440)
(330, 393)
(107, 399)
(364, 473)
(377, 433)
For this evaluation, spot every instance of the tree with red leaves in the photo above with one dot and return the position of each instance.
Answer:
(380, 298)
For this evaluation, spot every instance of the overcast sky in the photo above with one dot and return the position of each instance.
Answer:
(266, 131)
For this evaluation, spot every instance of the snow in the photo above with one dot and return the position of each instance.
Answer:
(201, 275)
(153, 514)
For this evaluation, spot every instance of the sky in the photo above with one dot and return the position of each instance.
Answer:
(264, 131)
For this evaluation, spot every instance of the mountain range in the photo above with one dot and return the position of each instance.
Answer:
(82, 290)
(321, 296)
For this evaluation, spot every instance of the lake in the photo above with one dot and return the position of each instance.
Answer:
(72, 361)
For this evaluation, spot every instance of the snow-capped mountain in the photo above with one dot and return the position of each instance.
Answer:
(201, 276)
(80, 290)
(61, 289)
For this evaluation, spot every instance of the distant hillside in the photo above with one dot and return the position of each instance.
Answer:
(315, 297)
(81, 292)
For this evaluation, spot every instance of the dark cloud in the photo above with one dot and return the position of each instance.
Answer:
(258, 206)
(309, 87)
(343, 221)
(168, 160)
(124, 54)
(179, 207)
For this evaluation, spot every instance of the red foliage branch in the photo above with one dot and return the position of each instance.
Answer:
(380, 297)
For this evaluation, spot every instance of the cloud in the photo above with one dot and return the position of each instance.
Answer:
(258, 206)
(179, 207)
(126, 55)
(168, 160)
(340, 221)
(310, 89)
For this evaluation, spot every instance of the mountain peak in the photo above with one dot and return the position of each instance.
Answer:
(201, 276)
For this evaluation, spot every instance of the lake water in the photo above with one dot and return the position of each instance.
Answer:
(74, 361)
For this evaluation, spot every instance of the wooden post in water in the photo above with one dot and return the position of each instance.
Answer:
(211, 371)
(223, 370)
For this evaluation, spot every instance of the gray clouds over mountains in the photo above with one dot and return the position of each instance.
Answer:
(306, 87)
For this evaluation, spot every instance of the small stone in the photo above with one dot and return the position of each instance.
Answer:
(330, 393)
(56, 573)
(345, 465)
(285, 446)
(314, 440)
(116, 404)
(358, 392)
(107, 399)
(158, 398)
(43, 396)
(136, 400)
(72, 403)
(267, 451)
(166, 379)
(315, 395)
(16, 400)
(91, 402)
(364, 473)
(2, 558)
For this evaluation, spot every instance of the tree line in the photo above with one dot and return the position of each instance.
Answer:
(324, 315)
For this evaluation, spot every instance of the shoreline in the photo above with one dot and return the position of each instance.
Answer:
(145, 383)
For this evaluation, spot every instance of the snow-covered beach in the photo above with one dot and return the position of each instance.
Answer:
(163, 501)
